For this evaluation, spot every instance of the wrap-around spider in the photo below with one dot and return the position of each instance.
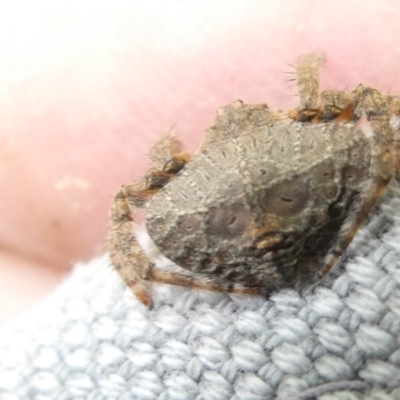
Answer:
(269, 200)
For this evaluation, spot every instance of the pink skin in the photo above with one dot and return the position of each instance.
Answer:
(85, 90)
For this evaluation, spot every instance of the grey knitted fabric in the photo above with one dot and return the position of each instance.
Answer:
(338, 340)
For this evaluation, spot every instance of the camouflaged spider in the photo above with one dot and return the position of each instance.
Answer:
(269, 200)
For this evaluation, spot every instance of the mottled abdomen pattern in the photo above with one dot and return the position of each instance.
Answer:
(256, 207)
(270, 199)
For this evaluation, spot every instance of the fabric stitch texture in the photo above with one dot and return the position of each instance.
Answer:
(337, 340)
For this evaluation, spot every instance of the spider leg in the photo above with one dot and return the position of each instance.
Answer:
(336, 105)
(197, 282)
(166, 155)
(373, 109)
(307, 79)
(126, 254)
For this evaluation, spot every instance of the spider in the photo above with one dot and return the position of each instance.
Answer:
(269, 200)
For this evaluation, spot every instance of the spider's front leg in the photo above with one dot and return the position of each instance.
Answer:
(307, 81)
(126, 254)
(329, 105)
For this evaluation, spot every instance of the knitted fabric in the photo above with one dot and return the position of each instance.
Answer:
(337, 340)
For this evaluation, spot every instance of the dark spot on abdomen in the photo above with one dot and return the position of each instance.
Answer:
(229, 221)
(287, 198)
